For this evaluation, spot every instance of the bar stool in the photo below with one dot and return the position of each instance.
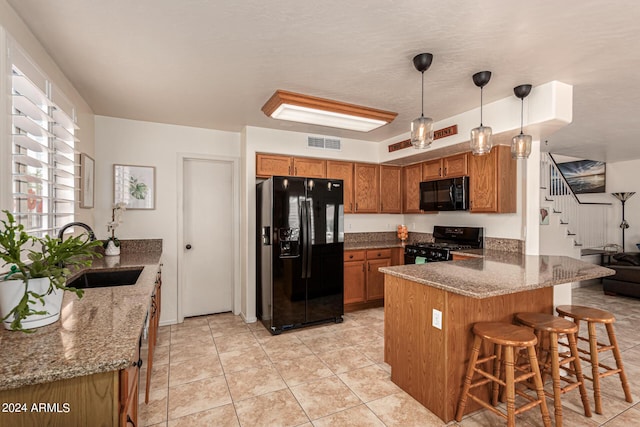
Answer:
(506, 338)
(593, 316)
(542, 324)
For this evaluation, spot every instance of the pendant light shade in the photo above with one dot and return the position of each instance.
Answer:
(521, 144)
(481, 136)
(422, 127)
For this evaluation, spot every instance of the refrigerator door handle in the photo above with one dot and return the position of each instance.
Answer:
(304, 237)
(309, 210)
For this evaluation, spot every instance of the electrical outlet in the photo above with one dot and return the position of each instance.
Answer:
(437, 319)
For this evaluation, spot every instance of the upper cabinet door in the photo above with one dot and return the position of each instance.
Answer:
(390, 189)
(268, 165)
(343, 171)
(492, 181)
(411, 178)
(432, 170)
(455, 166)
(310, 168)
(366, 190)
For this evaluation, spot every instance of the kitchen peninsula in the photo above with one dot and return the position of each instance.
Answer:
(430, 310)
(83, 369)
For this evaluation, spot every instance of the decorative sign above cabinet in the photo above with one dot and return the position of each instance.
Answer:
(438, 134)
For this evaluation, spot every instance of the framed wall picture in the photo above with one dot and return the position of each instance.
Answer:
(135, 186)
(585, 176)
(87, 181)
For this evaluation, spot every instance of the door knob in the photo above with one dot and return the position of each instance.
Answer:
(188, 246)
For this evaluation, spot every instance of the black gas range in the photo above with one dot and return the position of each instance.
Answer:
(446, 240)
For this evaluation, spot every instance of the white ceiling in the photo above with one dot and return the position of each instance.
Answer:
(213, 64)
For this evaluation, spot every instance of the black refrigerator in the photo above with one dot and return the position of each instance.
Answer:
(299, 253)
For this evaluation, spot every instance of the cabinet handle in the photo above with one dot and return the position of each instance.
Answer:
(381, 206)
(368, 267)
(289, 170)
(445, 171)
(295, 171)
(350, 256)
(439, 171)
(350, 206)
(356, 206)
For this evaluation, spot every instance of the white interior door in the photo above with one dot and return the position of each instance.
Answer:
(208, 259)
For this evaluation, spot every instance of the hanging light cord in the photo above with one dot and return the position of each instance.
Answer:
(481, 106)
(521, 114)
(422, 110)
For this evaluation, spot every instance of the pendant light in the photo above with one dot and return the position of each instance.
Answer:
(422, 127)
(521, 144)
(481, 136)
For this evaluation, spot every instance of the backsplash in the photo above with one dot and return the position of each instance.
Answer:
(495, 243)
(130, 246)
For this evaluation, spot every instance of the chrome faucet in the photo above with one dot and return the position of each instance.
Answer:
(92, 235)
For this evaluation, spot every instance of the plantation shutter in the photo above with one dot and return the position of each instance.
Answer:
(43, 150)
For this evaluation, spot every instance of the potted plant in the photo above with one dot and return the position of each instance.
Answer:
(31, 285)
(112, 244)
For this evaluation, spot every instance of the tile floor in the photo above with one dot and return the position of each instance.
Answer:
(218, 371)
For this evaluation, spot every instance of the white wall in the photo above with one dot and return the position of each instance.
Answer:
(132, 142)
(624, 177)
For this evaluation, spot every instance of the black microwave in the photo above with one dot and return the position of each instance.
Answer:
(445, 194)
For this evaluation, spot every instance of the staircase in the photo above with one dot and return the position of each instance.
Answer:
(583, 223)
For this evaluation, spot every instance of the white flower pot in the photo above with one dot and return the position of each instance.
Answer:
(11, 292)
(111, 249)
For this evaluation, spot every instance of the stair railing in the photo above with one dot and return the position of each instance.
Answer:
(586, 222)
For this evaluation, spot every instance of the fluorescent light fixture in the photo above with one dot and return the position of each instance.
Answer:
(300, 108)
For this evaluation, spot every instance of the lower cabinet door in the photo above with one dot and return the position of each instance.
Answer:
(354, 282)
(375, 279)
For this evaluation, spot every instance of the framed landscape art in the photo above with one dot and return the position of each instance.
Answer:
(584, 176)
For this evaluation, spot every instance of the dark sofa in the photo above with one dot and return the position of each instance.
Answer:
(626, 281)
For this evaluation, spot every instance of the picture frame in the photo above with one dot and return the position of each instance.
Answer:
(544, 216)
(87, 181)
(135, 186)
(585, 176)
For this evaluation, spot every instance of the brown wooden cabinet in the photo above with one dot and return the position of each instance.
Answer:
(390, 189)
(343, 171)
(446, 167)
(311, 168)
(492, 182)
(268, 165)
(154, 323)
(354, 277)
(366, 187)
(363, 283)
(411, 178)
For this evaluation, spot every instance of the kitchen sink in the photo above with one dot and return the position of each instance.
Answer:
(101, 279)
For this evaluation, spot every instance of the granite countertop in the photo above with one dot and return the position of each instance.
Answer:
(354, 246)
(491, 273)
(98, 333)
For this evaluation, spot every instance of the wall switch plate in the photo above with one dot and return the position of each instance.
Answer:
(436, 319)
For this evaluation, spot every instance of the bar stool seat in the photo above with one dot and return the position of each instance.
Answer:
(506, 338)
(594, 316)
(551, 359)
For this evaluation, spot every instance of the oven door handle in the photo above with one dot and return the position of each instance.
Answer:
(451, 195)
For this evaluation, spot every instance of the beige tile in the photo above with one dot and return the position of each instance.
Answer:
(227, 343)
(324, 397)
(373, 350)
(359, 416)
(200, 334)
(159, 377)
(223, 416)
(327, 341)
(261, 334)
(359, 335)
(275, 409)
(162, 424)
(626, 419)
(240, 360)
(190, 322)
(194, 370)
(164, 338)
(197, 396)
(401, 410)
(280, 350)
(219, 330)
(302, 370)
(155, 411)
(345, 360)
(254, 382)
(161, 355)
(369, 383)
(184, 352)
